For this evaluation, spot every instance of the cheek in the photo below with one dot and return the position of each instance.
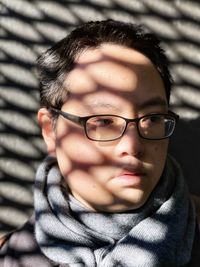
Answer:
(75, 151)
(157, 155)
(77, 148)
(160, 148)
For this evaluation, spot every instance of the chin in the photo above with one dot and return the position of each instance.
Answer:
(132, 201)
(121, 206)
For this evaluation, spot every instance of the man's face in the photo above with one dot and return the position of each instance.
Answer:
(117, 175)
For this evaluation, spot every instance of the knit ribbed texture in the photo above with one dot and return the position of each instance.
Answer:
(161, 233)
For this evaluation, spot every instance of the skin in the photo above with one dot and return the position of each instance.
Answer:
(118, 175)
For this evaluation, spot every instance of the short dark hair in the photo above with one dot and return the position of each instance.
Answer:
(54, 64)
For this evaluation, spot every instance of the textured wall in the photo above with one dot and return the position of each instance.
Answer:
(29, 27)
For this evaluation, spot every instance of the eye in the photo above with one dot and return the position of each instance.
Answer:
(152, 120)
(102, 121)
(155, 118)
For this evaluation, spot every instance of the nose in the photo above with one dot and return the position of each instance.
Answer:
(130, 144)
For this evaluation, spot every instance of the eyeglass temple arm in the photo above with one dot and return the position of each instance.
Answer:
(68, 116)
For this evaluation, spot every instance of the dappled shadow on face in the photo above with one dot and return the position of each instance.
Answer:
(90, 167)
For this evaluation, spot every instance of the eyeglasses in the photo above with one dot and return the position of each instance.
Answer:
(107, 127)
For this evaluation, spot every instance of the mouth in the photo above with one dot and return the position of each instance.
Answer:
(133, 178)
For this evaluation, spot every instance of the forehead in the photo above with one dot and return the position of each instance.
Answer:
(111, 72)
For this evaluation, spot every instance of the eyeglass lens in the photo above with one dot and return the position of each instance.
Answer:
(102, 128)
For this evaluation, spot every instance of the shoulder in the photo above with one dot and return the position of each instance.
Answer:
(20, 249)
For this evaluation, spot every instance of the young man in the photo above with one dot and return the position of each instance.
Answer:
(108, 194)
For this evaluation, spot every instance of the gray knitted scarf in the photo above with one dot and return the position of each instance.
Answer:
(161, 233)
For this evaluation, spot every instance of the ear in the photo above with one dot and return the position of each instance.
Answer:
(48, 132)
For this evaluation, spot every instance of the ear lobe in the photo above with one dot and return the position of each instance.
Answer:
(48, 132)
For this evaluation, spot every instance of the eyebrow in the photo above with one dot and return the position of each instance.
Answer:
(154, 102)
(102, 105)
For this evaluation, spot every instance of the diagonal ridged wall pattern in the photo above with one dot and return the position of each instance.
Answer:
(29, 27)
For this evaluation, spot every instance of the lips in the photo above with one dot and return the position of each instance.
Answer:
(130, 177)
(131, 173)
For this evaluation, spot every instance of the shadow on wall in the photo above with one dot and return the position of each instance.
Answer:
(30, 27)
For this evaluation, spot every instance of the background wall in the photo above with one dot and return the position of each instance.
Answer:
(29, 27)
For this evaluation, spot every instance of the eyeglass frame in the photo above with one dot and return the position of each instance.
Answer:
(82, 120)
